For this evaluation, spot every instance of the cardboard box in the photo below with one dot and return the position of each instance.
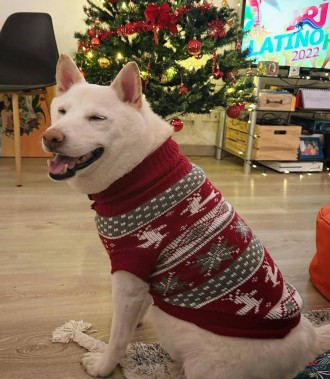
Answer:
(276, 101)
(276, 142)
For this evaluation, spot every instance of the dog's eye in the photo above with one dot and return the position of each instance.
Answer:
(61, 111)
(96, 117)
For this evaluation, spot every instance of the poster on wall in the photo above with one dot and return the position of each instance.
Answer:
(34, 120)
(292, 33)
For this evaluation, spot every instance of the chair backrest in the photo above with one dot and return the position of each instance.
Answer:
(28, 50)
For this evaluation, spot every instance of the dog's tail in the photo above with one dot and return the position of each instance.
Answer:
(324, 336)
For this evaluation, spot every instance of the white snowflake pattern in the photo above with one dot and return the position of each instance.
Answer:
(241, 227)
(168, 285)
(214, 257)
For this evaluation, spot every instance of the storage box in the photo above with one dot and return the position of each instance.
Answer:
(276, 142)
(278, 101)
(236, 147)
(237, 124)
(236, 135)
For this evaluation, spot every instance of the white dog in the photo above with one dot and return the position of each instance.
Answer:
(221, 308)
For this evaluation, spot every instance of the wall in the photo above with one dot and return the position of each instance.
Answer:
(68, 17)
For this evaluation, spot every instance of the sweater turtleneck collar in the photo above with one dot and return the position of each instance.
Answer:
(161, 169)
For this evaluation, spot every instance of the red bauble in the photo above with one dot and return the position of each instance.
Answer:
(83, 46)
(217, 74)
(194, 47)
(93, 33)
(177, 124)
(182, 89)
(95, 42)
(234, 111)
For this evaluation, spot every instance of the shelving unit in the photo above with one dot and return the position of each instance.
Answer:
(240, 139)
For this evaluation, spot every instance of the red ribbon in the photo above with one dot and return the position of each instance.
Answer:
(161, 18)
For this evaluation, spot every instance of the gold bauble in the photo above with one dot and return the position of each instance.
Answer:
(163, 79)
(104, 62)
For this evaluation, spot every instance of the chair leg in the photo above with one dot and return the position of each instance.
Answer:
(46, 96)
(17, 140)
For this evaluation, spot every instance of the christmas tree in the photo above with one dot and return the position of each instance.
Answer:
(189, 52)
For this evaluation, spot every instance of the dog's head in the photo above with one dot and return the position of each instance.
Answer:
(99, 133)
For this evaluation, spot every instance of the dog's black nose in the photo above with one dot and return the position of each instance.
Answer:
(53, 138)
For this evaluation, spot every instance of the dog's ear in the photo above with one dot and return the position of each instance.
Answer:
(67, 74)
(127, 84)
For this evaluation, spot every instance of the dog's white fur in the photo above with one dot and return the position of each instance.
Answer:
(129, 131)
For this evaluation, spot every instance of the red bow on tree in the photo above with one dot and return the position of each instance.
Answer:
(161, 18)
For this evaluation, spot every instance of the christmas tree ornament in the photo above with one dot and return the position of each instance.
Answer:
(224, 3)
(238, 46)
(217, 29)
(95, 42)
(160, 17)
(177, 124)
(104, 62)
(217, 74)
(163, 79)
(83, 47)
(234, 111)
(205, 6)
(194, 47)
(230, 22)
(93, 32)
(214, 61)
(182, 89)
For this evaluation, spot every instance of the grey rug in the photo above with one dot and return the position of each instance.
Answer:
(150, 361)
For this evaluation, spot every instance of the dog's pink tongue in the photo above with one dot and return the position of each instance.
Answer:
(56, 166)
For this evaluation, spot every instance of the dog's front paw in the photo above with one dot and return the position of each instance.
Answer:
(97, 365)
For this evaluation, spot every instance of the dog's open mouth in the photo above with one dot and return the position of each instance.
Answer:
(63, 167)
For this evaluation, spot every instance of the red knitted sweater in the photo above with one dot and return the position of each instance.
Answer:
(167, 224)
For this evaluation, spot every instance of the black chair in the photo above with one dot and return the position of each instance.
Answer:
(28, 58)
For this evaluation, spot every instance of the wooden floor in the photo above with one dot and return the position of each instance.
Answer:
(53, 267)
